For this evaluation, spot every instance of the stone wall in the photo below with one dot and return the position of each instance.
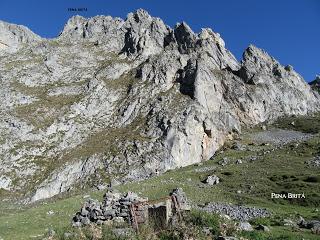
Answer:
(131, 209)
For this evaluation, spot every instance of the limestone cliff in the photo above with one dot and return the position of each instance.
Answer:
(128, 99)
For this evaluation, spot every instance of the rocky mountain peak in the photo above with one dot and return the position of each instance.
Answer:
(129, 99)
(257, 62)
(257, 58)
(73, 23)
(138, 34)
(184, 37)
(140, 15)
(207, 33)
(93, 28)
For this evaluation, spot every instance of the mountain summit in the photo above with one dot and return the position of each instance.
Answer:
(113, 100)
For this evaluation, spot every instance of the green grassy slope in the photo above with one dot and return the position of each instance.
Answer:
(250, 183)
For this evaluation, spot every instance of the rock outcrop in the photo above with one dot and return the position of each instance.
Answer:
(13, 37)
(212, 180)
(128, 99)
(316, 84)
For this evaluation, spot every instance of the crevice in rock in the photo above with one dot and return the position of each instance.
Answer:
(186, 78)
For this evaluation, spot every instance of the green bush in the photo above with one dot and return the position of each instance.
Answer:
(203, 219)
(312, 179)
(107, 234)
(274, 220)
(263, 221)
(168, 236)
(264, 236)
(307, 124)
(254, 235)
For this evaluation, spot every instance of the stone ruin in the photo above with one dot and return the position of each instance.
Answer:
(129, 208)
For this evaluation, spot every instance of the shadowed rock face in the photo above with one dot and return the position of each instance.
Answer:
(128, 99)
(316, 84)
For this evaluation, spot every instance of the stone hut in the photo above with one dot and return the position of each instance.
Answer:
(132, 209)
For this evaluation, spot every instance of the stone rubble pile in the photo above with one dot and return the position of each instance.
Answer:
(315, 162)
(224, 161)
(280, 137)
(314, 225)
(114, 208)
(240, 213)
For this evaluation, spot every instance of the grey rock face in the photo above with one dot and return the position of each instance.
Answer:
(63, 178)
(132, 98)
(13, 37)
